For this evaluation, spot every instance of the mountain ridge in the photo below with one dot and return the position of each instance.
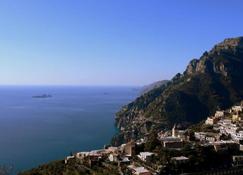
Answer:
(149, 87)
(209, 83)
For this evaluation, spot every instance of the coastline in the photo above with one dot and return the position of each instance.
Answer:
(48, 117)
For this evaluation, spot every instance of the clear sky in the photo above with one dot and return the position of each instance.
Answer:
(108, 42)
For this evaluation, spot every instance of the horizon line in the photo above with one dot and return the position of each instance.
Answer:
(70, 85)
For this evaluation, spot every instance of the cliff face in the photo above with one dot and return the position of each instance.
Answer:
(214, 81)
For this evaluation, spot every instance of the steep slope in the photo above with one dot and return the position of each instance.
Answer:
(152, 86)
(215, 81)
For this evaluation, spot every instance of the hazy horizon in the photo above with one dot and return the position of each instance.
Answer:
(109, 43)
(70, 85)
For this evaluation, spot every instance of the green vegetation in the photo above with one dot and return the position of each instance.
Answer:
(73, 167)
(210, 83)
(201, 158)
(213, 82)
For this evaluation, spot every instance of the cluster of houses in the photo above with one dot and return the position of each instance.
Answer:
(174, 139)
(226, 133)
(226, 123)
(121, 155)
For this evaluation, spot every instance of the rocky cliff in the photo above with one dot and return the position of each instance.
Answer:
(214, 81)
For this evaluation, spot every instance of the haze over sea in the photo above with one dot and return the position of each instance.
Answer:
(37, 130)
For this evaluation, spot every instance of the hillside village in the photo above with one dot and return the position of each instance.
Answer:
(177, 150)
(209, 83)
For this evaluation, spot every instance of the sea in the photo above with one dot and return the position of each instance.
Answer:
(34, 131)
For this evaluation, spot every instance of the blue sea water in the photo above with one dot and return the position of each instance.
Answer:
(37, 130)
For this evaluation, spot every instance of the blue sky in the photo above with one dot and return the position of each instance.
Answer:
(108, 42)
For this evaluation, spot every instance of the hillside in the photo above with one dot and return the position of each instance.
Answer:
(152, 86)
(73, 167)
(214, 81)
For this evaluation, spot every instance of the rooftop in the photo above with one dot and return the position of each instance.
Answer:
(146, 153)
(138, 169)
(180, 158)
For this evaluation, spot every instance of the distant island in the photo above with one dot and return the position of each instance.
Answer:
(212, 146)
(42, 96)
(191, 124)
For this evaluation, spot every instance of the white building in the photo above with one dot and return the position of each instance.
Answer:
(210, 121)
(225, 122)
(200, 136)
(113, 157)
(179, 160)
(219, 114)
(237, 108)
(236, 117)
(140, 141)
(206, 136)
(94, 153)
(145, 156)
(210, 139)
(125, 160)
(68, 158)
